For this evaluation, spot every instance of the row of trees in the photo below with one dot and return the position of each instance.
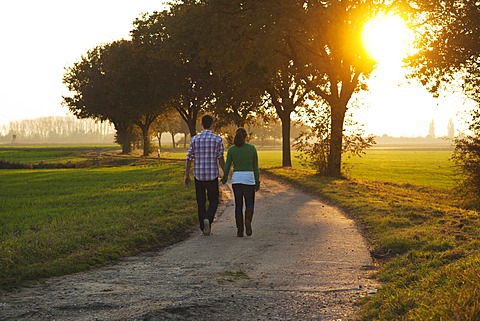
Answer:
(57, 129)
(250, 60)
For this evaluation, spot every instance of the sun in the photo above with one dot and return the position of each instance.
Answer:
(387, 38)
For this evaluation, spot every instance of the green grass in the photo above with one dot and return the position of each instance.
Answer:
(54, 222)
(431, 168)
(50, 154)
(425, 243)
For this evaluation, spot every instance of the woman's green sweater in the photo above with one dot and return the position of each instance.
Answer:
(244, 159)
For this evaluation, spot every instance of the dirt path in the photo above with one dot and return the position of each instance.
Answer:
(305, 261)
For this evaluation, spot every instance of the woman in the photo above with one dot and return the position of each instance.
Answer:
(245, 179)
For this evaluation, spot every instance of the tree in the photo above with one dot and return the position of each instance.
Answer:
(120, 82)
(431, 129)
(237, 102)
(242, 42)
(95, 93)
(339, 62)
(448, 45)
(59, 129)
(467, 158)
(296, 47)
(146, 86)
(314, 142)
(168, 122)
(156, 33)
(450, 129)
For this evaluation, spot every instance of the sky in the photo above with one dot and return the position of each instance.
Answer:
(41, 38)
(397, 107)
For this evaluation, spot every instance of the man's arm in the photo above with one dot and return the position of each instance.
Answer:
(188, 165)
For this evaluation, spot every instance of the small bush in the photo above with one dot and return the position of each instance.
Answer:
(314, 143)
(12, 165)
(467, 158)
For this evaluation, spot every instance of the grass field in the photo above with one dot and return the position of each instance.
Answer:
(50, 154)
(65, 220)
(430, 168)
(425, 242)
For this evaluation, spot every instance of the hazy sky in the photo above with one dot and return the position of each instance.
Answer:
(41, 38)
(395, 107)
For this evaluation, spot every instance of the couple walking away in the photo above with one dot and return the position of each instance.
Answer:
(207, 150)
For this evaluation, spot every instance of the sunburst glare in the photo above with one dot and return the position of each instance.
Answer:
(387, 39)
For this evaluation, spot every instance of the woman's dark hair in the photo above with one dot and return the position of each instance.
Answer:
(240, 137)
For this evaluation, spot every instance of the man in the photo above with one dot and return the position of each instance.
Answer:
(207, 150)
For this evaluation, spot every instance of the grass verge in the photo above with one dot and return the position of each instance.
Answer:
(426, 244)
(54, 222)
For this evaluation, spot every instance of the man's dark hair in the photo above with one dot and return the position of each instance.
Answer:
(207, 121)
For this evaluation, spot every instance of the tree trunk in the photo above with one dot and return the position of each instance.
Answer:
(146, 140)
(159, 137)
(124, 136)
(336, 139)
(192, 127)
(173, 139)
(126, 142)
(286, 151)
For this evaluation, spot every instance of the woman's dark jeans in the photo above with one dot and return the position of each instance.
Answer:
(243, 192)
(207, 190)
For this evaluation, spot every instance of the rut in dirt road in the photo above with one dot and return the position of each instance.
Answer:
(304, 261)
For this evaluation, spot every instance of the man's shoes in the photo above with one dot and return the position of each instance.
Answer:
(206, 227)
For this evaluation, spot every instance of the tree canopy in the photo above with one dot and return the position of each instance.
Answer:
(240, 59)
(280, 51)
(448, 43)
(121, 83)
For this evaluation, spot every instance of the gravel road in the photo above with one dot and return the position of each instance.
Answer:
(305, 261)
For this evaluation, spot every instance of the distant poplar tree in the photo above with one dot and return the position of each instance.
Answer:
(450, 129)
(431, 129)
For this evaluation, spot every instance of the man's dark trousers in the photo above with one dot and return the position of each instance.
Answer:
(207, 190)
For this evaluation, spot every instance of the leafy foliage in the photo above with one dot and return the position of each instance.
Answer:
(314, 143)
(449, 42)
(123, 84)
(281, 51)
(467, 157)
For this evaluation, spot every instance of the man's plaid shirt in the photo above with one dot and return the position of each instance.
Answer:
(206, 148)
